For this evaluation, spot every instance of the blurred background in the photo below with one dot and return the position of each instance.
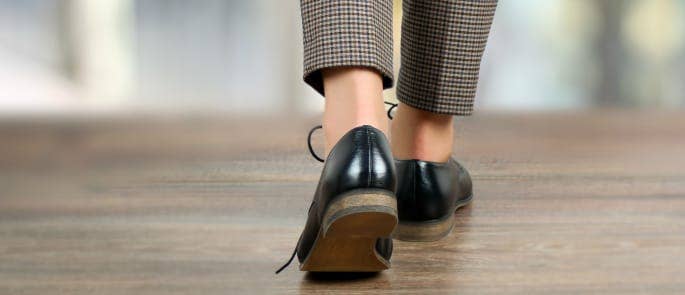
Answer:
(244, 57)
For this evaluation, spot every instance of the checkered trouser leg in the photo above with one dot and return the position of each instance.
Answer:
(442, 46)
(346, 33)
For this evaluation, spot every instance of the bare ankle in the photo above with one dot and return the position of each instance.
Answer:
(422, 135)
(354, 97)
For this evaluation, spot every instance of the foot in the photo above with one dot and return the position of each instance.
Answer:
(431, 184)
(354, 210)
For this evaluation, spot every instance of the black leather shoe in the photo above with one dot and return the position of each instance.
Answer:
(354, 210)
(428, 193)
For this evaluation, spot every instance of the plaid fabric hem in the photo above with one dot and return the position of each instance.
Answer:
(442, 46)
(346, 33)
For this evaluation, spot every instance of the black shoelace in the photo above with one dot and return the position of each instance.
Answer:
(392, 107)
(311, 150)
(289, 261)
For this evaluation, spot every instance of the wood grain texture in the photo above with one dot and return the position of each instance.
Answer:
(565, 203)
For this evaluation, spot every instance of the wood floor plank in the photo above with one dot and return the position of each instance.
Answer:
(566, 203)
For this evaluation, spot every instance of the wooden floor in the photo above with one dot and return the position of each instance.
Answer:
(565, 203)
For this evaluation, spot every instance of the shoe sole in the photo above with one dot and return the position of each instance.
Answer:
(428, 231)
(351, 225)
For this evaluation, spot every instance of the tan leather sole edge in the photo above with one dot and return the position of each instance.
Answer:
(426, 231)
(351, 226)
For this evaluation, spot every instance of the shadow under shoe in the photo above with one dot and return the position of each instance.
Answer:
(354, 210)
(428, 193)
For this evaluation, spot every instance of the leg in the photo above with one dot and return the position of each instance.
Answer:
(442, 46)
(348, 59)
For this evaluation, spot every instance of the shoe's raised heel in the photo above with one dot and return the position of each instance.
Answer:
(427, 231)
(349, 232)
(424, 231)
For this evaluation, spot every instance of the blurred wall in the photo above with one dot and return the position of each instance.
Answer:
(244, 57)
(585, 53)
